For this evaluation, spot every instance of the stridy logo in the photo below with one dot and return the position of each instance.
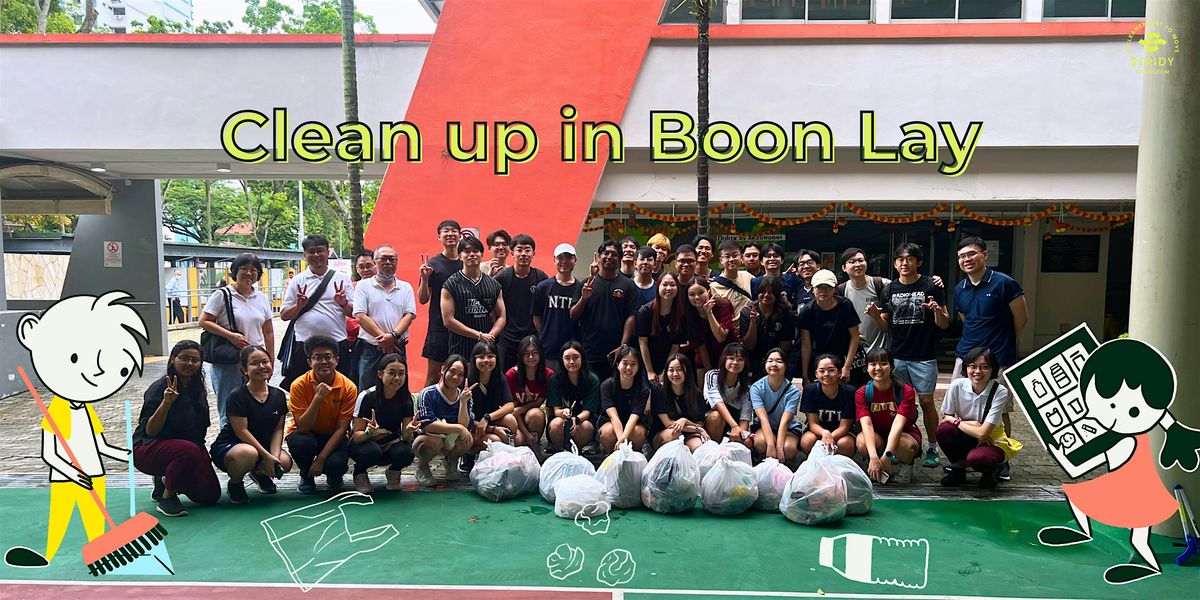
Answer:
(1157, 51)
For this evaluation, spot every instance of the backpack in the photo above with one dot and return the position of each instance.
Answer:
(876, 283)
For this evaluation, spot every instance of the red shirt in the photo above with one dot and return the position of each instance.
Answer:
(723, 311)
(883, 409)
(542, 391)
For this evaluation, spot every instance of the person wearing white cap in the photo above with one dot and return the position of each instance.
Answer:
(552, 301)
(827, 324)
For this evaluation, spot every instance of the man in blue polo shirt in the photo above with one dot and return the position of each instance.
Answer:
(993, 310)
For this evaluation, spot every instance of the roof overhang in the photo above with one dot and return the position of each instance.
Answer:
(38, 188)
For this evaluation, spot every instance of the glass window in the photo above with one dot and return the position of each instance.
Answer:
(1075, 8)
(989, 9)
(684, 11)
(1128, 8)
(773, 9)
(923, 9)
(832, 10)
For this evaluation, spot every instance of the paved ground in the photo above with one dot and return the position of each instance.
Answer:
(1034, 473)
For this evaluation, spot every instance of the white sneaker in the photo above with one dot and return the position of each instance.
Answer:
(903, 474)
(424, 476)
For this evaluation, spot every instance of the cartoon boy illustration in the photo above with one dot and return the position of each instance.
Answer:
(84, 349)
(1127, 386)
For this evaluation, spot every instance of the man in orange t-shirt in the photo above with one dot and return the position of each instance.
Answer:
(322, 403)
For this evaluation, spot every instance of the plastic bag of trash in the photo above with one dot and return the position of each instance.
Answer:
(561, 466)
(621, 474)
(736, 451)
(772, 477)
(860, 493)
(730, 488)
(671, 480)
(816, 493)
(505, 471)
(579, 494)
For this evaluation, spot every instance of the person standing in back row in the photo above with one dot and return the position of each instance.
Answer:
(517, 284)
(472, 307)
(552, 302)
(993, 310)
(434, 273)
(606, 311)
(327, 317)
(385, 307)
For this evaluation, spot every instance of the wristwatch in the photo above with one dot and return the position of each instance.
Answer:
(487, 418)
(892, 457)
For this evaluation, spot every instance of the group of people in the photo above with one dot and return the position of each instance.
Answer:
(645, 349)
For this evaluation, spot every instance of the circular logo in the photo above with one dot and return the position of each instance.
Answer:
(1158, 49)
(618, 293)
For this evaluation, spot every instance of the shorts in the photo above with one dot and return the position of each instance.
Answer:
(437, 346)
(921, 374)
(960, 372)
(218, 451)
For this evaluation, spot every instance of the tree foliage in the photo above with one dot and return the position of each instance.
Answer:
(21, 16)
(316, 16)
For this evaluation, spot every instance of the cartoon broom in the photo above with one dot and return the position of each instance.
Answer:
(127, 543)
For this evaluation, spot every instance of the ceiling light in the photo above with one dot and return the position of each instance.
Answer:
(223, 168)
(97, 167)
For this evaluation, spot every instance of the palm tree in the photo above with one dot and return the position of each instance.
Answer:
(350, 94)
(702, 113)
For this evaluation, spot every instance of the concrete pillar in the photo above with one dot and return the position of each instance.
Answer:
(3, 289)
(1168, 216)
(136, 222)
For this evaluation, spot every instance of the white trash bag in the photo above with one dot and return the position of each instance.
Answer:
(860, 493)
(579, 494)
(707, 455)
(502, 472)
(671, 480)
(736, 451)
(730, 488)
(561, 466)
(772, 477)
(621, 474)
(816, 493)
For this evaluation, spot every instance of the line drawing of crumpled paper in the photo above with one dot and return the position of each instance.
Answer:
(315, 540)
(616, 568)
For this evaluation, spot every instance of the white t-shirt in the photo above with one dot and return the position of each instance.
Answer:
(325, 317)
(249, 312)
(386, 308)
(860, 297)
(962, 402)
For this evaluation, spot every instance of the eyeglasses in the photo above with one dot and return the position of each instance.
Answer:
(808, 262)
(259, 363)
(983, 367)
(685, 261)
(386, 259)
(827, 371)
(857, 261)
(323, 357)
(969, 255)
(191, 360)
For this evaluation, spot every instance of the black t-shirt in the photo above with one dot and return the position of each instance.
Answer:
(829, 329)
(553, 302)
(660, 343)
(443, 268)
(389, 413)
(262, 418)
(635, 400)
(491, 395)
(666, 402)
(603, 320)
(473, 304)
(188, 418)
(914, 332)
(518, 303)
(830, 411)
(781, 327)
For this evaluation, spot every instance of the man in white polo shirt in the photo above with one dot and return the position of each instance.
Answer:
(384, 306)
(328, 315)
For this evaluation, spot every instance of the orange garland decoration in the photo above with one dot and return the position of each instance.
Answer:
(858, 210)
(1026, 220)
(762, 218)
(1093, 216)
(671, 219)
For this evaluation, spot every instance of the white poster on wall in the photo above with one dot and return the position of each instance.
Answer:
(113, 255)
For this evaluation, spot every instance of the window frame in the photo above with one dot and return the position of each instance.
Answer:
(806, 20)
(1106, 19)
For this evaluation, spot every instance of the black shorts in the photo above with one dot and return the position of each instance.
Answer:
(437, 346)
(218, 452)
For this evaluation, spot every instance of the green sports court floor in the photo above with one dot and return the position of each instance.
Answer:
(458, 545)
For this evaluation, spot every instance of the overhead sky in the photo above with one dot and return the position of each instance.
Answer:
(391, 16)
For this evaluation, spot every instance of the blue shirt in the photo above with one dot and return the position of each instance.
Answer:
(775, 402)
(433, 406)
(987, 319)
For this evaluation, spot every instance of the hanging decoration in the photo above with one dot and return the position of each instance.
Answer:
(673, 219)
(762, 218)
(1099, 217)
(1026, 220)
(866, 214)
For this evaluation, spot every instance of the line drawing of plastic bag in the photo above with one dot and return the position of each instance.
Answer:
(315, 540)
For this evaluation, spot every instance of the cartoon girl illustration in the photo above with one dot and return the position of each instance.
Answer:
(1127, 386)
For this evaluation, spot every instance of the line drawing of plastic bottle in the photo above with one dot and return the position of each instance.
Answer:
(877, 560)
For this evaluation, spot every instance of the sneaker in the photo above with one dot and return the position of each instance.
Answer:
(172, 507)
(362, 484)
(1004, 473)
(334, 483)
(307, 487)
(393, 480)
(902, 474)
(265, 484)
(465, 463)
(932, 460)
(988, 481)
(159, 486)
(955, 477)
(591, 449)
(424, 476)
(237, 492)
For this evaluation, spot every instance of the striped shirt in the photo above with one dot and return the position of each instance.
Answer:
(473, 305)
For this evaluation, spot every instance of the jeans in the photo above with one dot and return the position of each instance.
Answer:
(225, 379)
(368, 359)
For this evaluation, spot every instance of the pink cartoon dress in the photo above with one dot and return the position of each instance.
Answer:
(1132, 496)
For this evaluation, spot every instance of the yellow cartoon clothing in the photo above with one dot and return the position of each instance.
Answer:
(79, 426)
